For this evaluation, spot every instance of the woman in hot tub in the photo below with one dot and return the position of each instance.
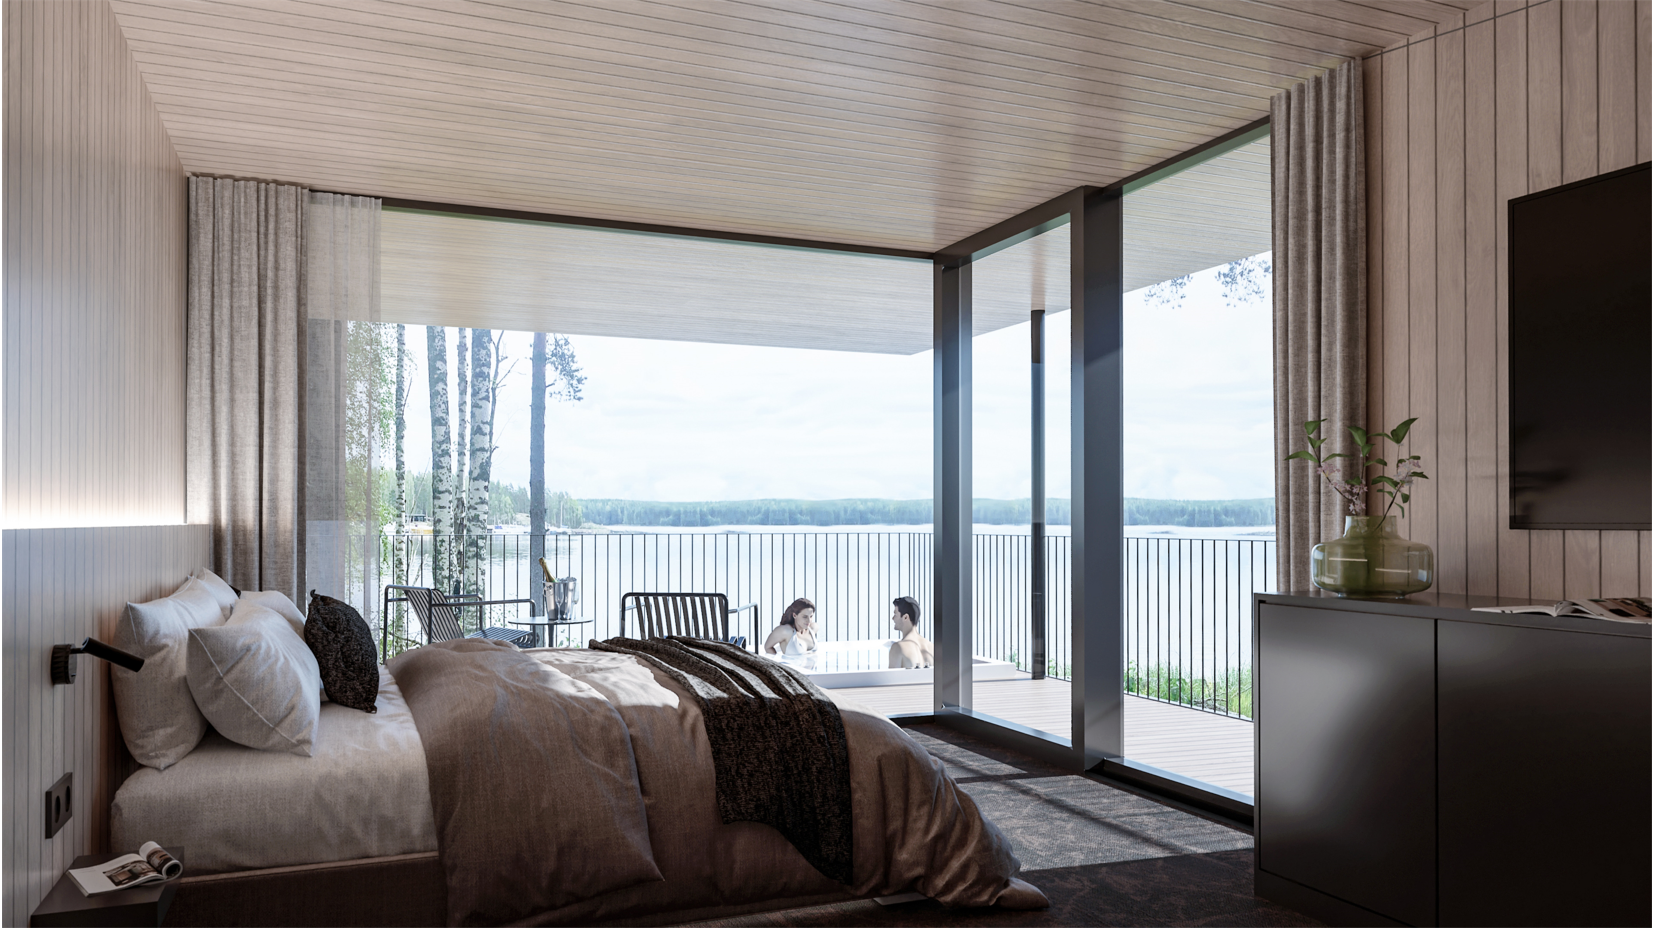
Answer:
(796, 633)
(911, 650)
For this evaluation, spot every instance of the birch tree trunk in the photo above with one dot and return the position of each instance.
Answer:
(536, 456)
(481, 451)
(461, 433)
(441, 459)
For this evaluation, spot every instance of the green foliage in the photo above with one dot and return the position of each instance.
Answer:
(1230, 693)
(1354, 492)
(880, 512)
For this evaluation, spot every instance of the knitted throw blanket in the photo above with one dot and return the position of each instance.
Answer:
(778, 744)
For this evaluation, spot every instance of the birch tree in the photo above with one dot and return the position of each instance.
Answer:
(441, 458)
(398, 568)
(479, 458)
(461, 434)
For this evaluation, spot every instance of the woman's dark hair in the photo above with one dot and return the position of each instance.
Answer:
(798, 606)
(907, 606)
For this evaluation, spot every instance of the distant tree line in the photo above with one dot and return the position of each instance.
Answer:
(877, 512)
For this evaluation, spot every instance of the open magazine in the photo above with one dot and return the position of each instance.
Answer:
(1618, 609)
(150, 864)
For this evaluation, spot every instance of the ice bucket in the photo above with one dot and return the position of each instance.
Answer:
(560, 597)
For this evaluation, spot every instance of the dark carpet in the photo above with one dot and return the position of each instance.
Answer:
(1104, 857)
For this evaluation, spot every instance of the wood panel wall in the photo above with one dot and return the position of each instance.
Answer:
(1516, 98)
(93, 411)
(95, 246)
(61, 585)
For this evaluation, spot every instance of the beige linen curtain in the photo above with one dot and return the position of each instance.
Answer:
(1319, 166)
(244, 367)
(284, 364)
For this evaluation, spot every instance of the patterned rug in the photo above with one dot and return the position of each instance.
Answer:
(1103, 856)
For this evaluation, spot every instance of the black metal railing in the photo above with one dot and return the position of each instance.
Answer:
(1187, 602)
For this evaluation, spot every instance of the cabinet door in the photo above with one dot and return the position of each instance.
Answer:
(1544, 777)
(1346, 756)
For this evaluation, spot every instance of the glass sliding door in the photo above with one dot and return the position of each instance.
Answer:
(1198, 460)
(1021, 627)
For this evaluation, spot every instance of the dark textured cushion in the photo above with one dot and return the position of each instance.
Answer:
(343, 646)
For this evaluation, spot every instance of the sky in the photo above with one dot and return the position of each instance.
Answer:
(697, 421)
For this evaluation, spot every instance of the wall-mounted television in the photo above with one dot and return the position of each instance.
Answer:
(1580, 345)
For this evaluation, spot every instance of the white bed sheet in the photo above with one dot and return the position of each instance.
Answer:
(364, 793)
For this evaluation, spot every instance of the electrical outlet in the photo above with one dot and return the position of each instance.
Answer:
(60, 803)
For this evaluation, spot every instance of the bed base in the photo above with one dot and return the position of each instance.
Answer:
(401, 890)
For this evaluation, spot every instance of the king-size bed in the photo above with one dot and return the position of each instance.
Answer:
(555, 786)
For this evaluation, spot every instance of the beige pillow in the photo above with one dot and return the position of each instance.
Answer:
(219, 588)
(255, 681)
(158, 717)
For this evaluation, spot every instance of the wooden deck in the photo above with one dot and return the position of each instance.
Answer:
(1204, 746)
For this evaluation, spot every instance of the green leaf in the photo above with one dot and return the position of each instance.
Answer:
(1398, 434)
(1311, 426)
(1366, 449)
(1336, 455)
(1380, 461)
(1316, 443)
(1386, 480)
(1406, 498)
(1306, 456)
(1359, 434)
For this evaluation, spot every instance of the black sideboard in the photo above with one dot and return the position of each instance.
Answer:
(1419, 763)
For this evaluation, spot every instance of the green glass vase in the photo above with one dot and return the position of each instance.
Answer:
(1372, 560)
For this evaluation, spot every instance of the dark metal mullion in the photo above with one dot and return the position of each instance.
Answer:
(1036, 567)
(1097, 295)
(953, 527)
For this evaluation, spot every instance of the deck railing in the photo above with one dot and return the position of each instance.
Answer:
(1187, 601)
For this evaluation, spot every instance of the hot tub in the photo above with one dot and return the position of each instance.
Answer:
(865, 663)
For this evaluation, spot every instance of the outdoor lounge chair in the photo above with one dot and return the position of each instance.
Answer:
(440, 615)
(701, 616)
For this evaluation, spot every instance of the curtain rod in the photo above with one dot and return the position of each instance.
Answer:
(1492, 18)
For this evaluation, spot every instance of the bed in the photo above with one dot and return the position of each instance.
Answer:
(348, 835)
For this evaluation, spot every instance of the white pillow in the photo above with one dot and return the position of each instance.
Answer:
(158, 717)
(219, 588)
(256, 682)
(281, 604)
(284, 606)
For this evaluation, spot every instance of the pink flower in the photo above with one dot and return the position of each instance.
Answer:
(1327, 469)
(1357, 507)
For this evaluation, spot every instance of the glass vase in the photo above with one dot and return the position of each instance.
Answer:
(1372, 560)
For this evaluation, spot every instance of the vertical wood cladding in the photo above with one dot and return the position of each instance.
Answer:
(94, 279)
(1517, 98)
(93, 418)
(61, 585)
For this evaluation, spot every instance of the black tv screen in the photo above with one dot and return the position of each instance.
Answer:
(1580, 343)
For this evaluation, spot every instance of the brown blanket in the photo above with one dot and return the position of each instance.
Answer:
(777, 744)
(532, 781)
(914, 829)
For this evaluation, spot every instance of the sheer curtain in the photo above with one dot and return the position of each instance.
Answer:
(1319, 160)
(346, 399)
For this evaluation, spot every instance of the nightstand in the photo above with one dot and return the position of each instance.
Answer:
(139, 906)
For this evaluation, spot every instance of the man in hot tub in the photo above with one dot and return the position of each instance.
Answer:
(911, 650)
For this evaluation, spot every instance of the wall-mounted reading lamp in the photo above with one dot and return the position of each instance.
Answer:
(63, 659)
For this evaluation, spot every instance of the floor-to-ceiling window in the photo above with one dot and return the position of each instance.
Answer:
(1198, 469)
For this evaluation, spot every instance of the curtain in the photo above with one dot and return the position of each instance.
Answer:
(346, 389)
(1319, 169)
(244, 367)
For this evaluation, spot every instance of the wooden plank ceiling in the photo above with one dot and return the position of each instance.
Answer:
(904, 124)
